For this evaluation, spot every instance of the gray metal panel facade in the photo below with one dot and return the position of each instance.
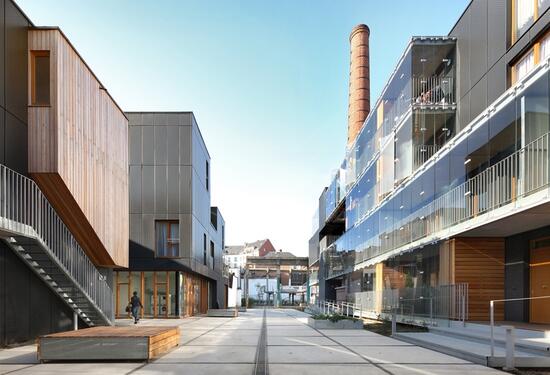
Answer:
(478, 97)
(496, 31)
(168, 159)
(16, 73)
(496, 80)
(478, 42)
(483, 51)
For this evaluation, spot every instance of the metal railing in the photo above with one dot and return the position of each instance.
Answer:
(433, 90)
(429, 306)
(25, 211)
(522, 173)
(338, 307)
(423, 153)
(492, 314)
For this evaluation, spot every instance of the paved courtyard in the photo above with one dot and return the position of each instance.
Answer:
(281, 341)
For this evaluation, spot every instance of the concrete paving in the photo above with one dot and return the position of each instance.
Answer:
(229, 346)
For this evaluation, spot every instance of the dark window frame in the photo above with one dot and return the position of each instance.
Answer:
(204, 248)
(46, 100)
(212, 252)
(170, 244)
(207, 175)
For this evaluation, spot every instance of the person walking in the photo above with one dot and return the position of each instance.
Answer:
(135, 304)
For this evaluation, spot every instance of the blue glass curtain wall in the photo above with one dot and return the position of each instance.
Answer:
(449, 190)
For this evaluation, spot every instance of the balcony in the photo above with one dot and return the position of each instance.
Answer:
(423, 80)
(498, 166)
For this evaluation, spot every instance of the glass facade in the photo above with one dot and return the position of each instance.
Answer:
(496, 160)
(413, 119)
(164, 294)
(336, 190)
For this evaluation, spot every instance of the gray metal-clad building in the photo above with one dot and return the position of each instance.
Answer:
(170, 182)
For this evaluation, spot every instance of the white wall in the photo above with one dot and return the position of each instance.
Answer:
(234, 294)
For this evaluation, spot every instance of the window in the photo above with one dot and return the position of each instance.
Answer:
(212, 253)
(204, 249)
(207, 176)
(168, 238)
(40, 78)
(540, 52)
(524, 66)
(545, 48)
(524, 14)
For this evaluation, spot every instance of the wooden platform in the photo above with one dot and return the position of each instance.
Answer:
(108, 343)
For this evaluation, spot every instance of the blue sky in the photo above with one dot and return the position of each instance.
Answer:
(267, 80)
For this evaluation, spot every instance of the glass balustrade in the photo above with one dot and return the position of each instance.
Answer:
(500, 159)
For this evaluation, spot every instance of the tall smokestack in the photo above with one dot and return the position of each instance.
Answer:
(359, 80)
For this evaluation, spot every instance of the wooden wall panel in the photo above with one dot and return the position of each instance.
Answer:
(83, 139)
(204, 296)
(480, 263)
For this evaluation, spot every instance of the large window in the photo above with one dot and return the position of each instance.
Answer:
(40, 78)
(524, 14)
(524, 66)
(540, 52)
(168, 238)
(157, 291)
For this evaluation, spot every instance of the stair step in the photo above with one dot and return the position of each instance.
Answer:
(32, 253)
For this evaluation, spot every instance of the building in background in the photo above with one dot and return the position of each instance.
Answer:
(277, 278)
(176, 236)
(453, 156)
(63, 155)
(235, 257)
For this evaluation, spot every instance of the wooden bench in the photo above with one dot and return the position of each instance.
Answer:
(108, 343)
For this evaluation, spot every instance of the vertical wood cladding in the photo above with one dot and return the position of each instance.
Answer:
(480, 263)
(78, 152)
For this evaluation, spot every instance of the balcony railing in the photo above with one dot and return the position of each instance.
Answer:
(433, 91)
(522, 173)
(25, 211)
(423, 153)
(426, 306)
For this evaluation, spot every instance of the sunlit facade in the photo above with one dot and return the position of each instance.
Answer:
(451, 158)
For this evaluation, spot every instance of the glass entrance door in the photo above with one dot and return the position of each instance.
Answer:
(161, 302)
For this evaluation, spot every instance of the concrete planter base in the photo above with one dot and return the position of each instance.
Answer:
(222, 313)
(341, 324)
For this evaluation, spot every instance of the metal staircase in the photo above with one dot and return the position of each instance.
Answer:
(31, 227)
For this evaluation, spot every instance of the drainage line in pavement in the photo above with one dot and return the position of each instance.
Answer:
(261, 366)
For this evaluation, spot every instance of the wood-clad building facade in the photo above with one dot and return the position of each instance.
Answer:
(78, 147)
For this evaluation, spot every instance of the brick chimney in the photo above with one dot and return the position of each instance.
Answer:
(359, 80)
